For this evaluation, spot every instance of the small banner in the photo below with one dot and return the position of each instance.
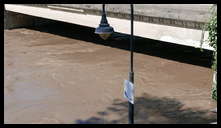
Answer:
(129, 91)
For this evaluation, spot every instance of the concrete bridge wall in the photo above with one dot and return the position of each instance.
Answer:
(180, 15)
(180, 24)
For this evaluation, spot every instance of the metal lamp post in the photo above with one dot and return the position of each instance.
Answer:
(105, 30)
(131, 73)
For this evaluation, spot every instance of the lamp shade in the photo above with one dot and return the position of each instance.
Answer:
(104, 29)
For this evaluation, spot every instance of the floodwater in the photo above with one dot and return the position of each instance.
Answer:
(61, 73)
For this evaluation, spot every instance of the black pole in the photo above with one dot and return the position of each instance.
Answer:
(104, 21)
(103, 11)
(103, 18)
(131, 73)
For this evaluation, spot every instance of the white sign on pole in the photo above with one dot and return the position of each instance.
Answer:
(129, 91)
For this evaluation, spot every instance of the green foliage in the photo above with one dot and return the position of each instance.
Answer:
(212, 38)
(212, 28)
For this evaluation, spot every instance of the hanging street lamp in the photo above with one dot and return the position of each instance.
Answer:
(104, 30)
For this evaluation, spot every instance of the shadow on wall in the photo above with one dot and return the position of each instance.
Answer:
(152, 110)
(146, 46)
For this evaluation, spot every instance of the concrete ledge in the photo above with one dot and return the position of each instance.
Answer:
(178, 15)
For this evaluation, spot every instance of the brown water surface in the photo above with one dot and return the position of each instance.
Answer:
(63, 73)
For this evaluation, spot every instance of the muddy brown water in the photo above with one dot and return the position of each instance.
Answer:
(62, 73)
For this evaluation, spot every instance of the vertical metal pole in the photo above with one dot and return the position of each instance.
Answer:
(131, 73)
(103, 18)
(103, 11)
